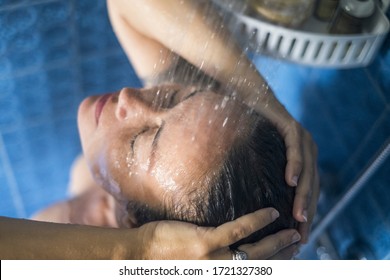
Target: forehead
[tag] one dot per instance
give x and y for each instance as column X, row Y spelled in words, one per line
column 196, row 137
column 197, row 134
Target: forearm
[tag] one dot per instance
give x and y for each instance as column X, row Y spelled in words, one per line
column 25, row 239
column 192, row 31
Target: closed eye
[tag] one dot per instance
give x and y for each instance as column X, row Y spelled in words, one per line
column 172, row 99
column 171, row 102
column 132, row 141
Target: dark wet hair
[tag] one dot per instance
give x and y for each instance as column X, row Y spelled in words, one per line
column 251, row 177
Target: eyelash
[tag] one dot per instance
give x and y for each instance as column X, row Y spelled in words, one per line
column 132, row 141
column 171, row 101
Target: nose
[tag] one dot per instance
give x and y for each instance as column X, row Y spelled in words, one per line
column 126, row 105
column 132, row 107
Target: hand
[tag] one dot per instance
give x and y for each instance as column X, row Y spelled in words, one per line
column 178, row 240
column 301, row 169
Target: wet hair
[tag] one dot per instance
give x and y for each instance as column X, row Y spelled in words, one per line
column 250, row 178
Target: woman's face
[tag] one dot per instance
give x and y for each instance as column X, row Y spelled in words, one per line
column 146, row 145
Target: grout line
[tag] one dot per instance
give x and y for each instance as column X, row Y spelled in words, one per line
column 13, row 185
column 25, row 4
column 378, row 89
column 363, row 144
column 36, row 122
column 76, row 45
column 326, row 112
column 31, row 70
column 59, row 63
column 379, row 210
column 112, row 51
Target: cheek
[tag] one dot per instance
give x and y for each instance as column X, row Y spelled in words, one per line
column 166, row 177
column 113, row 169
column 98, row 149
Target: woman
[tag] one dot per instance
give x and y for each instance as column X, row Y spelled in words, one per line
column 130, row 37
column 157, row 35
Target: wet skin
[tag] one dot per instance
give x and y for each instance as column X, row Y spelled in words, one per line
column 154, row 145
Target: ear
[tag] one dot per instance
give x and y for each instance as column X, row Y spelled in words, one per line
column 125, row 218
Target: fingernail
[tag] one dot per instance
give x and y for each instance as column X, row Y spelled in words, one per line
column 275, row 214
column 304, row 215
column 296, row 237
column 295, row 180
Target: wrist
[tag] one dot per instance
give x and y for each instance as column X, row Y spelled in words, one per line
column 127, row 244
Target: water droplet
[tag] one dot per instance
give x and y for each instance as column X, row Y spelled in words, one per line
column 224, row 102
column 225, row 121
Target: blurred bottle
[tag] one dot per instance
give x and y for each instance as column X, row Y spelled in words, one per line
column 325, row 9
column 351, row 15
column 289, row 13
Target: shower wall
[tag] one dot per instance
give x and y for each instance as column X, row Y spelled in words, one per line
column 53, row 53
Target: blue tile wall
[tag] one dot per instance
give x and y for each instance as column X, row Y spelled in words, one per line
column 53, row 53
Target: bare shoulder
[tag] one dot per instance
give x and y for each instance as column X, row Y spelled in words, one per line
column 94, row 207
column 81, row 178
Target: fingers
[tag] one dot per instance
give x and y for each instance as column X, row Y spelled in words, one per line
column 304, row 228
column 231, row 232
column 304, row 191
column 294, row 150
column 292, row 133
column 272, row 245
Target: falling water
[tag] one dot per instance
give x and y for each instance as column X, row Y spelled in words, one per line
column 226, row 116
column 219, row 20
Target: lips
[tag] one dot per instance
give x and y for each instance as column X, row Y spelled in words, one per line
column 100, row 105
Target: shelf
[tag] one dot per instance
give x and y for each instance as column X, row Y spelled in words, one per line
column 310, row 44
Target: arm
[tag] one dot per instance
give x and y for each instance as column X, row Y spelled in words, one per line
column 149, row 30
column 24, row 239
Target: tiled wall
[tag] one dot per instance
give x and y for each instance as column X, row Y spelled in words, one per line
column 55, row 52
column 52, row 54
